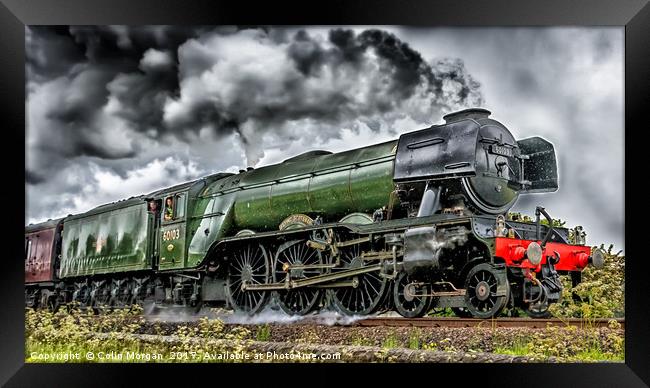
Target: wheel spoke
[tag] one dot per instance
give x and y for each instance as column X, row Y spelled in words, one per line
column 367, row 293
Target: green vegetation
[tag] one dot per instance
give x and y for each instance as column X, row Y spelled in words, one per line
column 114, row 337
column 414, row 339
column 263, row 333
column 516, row 216
column 601, row 294
column 565, row 344
column 359, row 340
column 390, row 342
column 73, row 335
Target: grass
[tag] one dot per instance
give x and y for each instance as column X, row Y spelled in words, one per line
column 263, row 333
column 596, row 354
column 359, row 340
column 590, row 354
column 519, row 348
column 414, row 339
column 390, row 342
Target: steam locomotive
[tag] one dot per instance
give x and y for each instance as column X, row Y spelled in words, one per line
column 411, row 225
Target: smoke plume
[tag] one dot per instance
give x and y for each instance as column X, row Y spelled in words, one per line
column 115, row 85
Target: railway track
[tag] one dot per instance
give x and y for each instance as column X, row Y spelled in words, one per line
column 389, row 321
column 485, row 323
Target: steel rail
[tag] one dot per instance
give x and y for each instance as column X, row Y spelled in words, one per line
column 488, row 323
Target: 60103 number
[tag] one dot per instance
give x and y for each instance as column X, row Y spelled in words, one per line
column 171, row 234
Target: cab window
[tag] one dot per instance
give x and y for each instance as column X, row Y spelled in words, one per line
column 180, row 206
column 168, row 212
column 174, row 207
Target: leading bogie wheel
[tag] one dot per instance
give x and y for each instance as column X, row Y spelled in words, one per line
column 539, row 309
column 486, row 290
column 412, row 298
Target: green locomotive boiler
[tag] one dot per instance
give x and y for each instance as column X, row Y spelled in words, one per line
column 411, row 224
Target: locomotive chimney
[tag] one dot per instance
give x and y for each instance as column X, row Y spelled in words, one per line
column 471, row 113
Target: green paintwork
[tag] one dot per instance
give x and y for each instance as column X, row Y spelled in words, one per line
column 172, row 234
column 185, row 233
column 111, row 238
column 172, row 245
column 213, row 214
column 329, row 185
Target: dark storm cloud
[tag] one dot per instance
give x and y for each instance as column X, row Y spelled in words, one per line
column 142, row 94
column 73, row 72
column 307, row 54
column 33, row 178
column 44, row 46
column 336, row 81
column 408, row 67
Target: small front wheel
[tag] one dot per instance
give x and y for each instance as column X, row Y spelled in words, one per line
column 486, row 290
column 412, row 298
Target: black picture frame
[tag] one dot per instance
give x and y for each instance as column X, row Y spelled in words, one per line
column 15, row 14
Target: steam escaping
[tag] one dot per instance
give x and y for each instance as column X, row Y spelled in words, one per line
column 425, row 246
column 448, row 239
column 270, row 314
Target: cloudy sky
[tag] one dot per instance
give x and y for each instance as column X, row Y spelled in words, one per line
column 118, row 111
